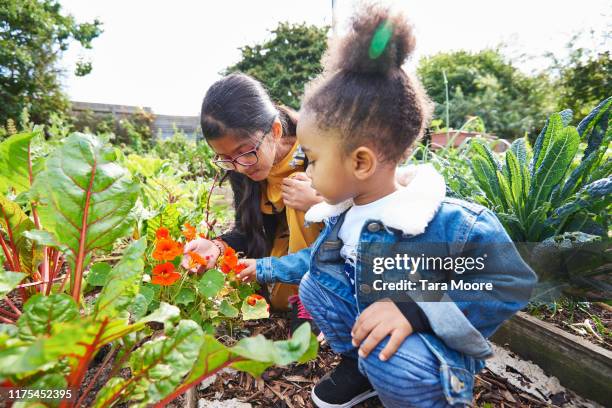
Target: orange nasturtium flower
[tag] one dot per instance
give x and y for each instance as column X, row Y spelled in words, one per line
column 189, row 232
column 229, row 261
column 167, row 250
column 164, row 274
column 162, row 233
column 252, row 299
column 195, row 260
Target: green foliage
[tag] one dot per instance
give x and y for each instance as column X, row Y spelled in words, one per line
column 33, row 36
column 286, row 62
column 193, row 155
column 584, row 83
column 484, row 84
column 131, row 132
column 85, row 199
column 557, row 186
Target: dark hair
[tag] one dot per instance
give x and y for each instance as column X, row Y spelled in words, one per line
column 364, row 92
column 238, row 105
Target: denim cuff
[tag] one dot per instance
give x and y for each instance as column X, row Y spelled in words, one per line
column 263, row 270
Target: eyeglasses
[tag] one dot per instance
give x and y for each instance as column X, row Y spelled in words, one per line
column 245, row 159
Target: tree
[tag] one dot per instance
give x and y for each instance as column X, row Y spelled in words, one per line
column 33, row 36
column 484, row 84
column 583, row 71
column 285, row 63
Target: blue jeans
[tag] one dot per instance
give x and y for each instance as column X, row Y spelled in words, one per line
column 423, row 372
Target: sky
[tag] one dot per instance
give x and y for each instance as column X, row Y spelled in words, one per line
column 165, row 54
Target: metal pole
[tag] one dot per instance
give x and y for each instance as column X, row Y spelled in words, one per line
column 334, row 17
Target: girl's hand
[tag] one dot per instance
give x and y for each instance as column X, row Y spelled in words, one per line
column 298, row 193
column 204, row 248
column 379, row 320
column 248, row 274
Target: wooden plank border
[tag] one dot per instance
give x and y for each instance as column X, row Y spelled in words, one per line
column 578, row 364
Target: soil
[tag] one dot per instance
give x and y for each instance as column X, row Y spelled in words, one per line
column 571, row 319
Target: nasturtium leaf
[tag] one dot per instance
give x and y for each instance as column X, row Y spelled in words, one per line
column 98, row 275
column 185, row 297
column 211, row 283
column 258, row 311
column 139, row 306
column 227, row 309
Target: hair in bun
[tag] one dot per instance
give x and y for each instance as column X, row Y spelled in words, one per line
column 364, row 92
column 378, row 43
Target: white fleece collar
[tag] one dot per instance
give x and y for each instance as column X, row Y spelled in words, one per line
column 413, row 206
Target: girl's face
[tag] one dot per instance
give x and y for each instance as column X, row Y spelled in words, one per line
column 329, row 170
column 231, row 146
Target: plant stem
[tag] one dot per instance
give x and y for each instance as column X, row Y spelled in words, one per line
column 95, row 377
column 207, row 210
column 8, row 314
column 10, row 303
column 5, row 320
column 447, row 102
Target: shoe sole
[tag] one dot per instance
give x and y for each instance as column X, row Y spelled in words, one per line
column 359, row 398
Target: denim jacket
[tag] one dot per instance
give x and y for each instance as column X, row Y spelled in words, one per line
column 421, row 214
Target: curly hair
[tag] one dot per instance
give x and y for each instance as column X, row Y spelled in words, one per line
column 364, row 92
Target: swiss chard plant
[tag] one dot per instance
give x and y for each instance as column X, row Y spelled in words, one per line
column 57, row 210
column 63, row 209
column 55, row 341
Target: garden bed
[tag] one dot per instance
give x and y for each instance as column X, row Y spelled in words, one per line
column 591, row 321
column 291, row 386
column 578, row 364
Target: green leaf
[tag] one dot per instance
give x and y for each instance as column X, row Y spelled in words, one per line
column 486, row 177
column 521, row 149
column 516, row 178
column 85, row 198
column 9, row 281
column 14, row 167
column 211, row 283
column 15, row 223
column 159, row 365
column 168, row 217
column 553, row 166
column 41, row 312
column 185, row 297
column 139, row 307
column 99, row 274
column 260, row 310
column 553, row 125
column 123, row 282
column 110, row 388
column 227, row 309
column 593, row 117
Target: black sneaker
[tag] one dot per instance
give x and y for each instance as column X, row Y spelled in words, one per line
column 298, row 315
column 342, row 388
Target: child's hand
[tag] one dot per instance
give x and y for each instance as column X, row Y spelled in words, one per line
column 248, row 274
column 298, row 193
column 377, row 321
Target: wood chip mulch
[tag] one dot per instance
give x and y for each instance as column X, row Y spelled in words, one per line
column 290, row 387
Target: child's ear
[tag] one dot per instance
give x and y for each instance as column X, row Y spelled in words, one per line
column 364, row 162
